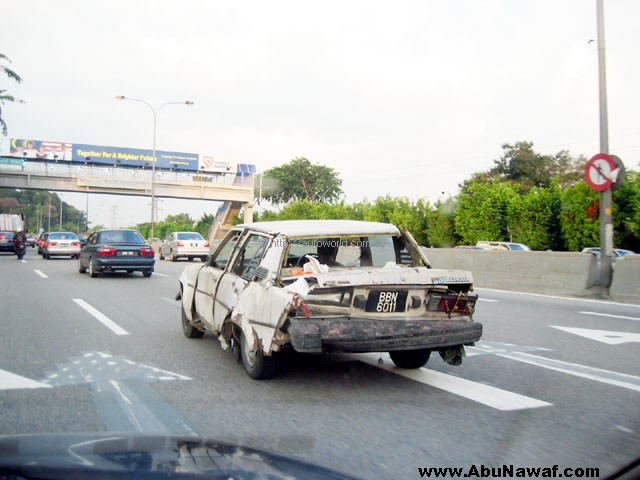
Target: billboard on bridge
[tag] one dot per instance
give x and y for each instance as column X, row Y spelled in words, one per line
column 22, row 147
column 117, row 156
column 133, row 157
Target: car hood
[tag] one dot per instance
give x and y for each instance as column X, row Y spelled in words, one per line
column 146, row 456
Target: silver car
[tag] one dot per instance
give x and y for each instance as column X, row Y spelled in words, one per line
column 61, row 243
column 188, row 245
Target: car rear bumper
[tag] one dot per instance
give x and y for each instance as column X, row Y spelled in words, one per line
column 62, row 250
column 8, row 248
column 140, row 263
column 191, row 252
column 351, row 334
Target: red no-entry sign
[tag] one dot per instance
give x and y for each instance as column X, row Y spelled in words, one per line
column 601, row 172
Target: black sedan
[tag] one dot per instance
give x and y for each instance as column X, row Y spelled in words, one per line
column 116, row 250
column 7, row 242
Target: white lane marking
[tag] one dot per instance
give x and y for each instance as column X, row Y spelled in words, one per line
column 605, row 336
column 610, row 315
column 478, row 392
column 589, row 300
column 101, row 317
column 160, row 274
column 11, row 381
column 39, row 272
column 624, row 429
column 171, row 301
column 487, row 300
column 597, row 374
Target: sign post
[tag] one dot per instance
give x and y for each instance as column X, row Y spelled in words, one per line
column 606, row 212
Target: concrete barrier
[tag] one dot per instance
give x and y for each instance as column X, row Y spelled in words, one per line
column 554, row 273
column 626, row 280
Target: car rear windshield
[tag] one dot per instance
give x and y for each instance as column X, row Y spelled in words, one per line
column 63, row 236
column 6, row 235
column 517, row 246
column 190, row 236
column 337, row 252
column 120, row 236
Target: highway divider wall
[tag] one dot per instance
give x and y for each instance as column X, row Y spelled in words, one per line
column 625, row 286
column 553, row 273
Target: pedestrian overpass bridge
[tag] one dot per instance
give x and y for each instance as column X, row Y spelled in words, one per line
column 67, row 177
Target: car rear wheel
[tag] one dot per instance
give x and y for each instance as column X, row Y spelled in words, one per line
column 187, row 328
column 146, row 273
column 410, row 358
column 92, row 271
column 81, row 269
column 257, row 365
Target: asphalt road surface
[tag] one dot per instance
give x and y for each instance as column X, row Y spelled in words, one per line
column 554, row 381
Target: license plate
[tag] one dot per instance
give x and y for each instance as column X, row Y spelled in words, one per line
column 128, row 253
column 386, row 301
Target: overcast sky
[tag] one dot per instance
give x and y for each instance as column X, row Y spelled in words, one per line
column 400, row 97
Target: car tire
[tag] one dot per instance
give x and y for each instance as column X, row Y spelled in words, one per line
column 46, row 256
column 81, row 269
column 410, row 358
column 146, row 273
column 187, row 327
column 92, row 272
column 258, row 365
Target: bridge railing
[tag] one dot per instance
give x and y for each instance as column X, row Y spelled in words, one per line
column 69, row 170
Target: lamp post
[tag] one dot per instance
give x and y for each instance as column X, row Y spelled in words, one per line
column 154, row 111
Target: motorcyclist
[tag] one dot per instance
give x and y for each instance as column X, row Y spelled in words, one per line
column 21, row 244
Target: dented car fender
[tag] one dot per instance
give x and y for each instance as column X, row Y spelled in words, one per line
column 261, row 310
column 188, row 281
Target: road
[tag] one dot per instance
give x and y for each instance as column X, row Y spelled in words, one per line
column 554, row 381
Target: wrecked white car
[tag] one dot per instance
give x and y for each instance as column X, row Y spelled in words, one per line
column 327, row 286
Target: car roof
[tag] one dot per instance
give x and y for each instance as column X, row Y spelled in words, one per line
column 299, row 228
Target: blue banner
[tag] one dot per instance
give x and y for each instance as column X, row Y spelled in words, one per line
column 133, row 157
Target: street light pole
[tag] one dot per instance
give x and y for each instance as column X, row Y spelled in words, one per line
column 154, row 111
column 606, row 217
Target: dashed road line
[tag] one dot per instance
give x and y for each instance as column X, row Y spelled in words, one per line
column 171, row 301
column 478, row 392
column 610, row 315
column 39, row 272
column 160, row 274
column 101, row 317
column 487, row 300
column 597, row 374
column 557, row 297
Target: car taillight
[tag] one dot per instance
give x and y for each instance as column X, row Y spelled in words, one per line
column 75, row 244
column 51, row 244
column 206, row 244
column 179, row 244
column 147, row 252
column 107, row 252
column 462, row 303
column 452, row 304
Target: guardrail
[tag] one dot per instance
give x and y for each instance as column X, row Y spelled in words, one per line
column 554, row 273
column 69, row 170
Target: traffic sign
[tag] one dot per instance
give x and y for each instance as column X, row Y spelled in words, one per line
column 601, row 172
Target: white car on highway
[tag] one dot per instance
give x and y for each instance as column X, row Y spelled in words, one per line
column 327, row 286
column 61, row 244
column 188, row 245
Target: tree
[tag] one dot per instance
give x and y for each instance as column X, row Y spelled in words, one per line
column 4, row 96
column 482, row 212
column 520, row 163
column 579, row 218
column 534, row 218
column 441, row 222
column 301, row 180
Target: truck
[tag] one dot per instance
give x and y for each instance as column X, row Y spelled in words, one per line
column 10, row 225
